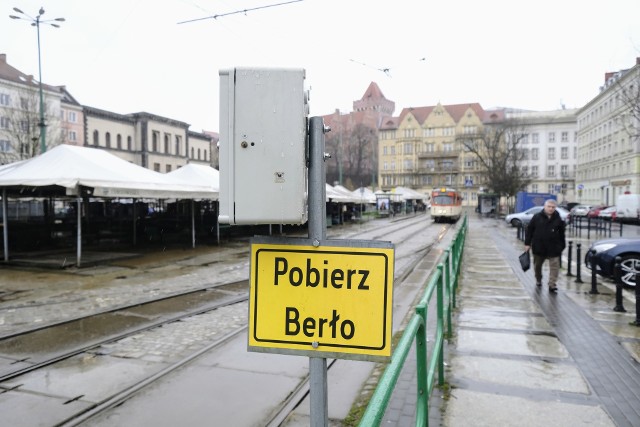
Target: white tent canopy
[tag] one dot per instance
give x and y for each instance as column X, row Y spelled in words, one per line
column 89, row 171
column 193, row 174
column 409, row 194
column 365, row 194
column 74, row 167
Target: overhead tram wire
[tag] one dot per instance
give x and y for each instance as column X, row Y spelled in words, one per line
column 239, row 11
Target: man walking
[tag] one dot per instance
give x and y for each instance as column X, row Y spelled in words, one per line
column 545, row 235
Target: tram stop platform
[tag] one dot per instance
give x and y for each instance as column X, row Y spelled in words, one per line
column 521, row 356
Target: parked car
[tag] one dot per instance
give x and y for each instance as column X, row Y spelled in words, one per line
column 595, row 211
column 580, row 210
column 568, row 205
column 610, row 213
column 603, row 254
column 629, row 207
column 515, row 219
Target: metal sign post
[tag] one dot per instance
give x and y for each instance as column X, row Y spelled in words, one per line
column 317, row 233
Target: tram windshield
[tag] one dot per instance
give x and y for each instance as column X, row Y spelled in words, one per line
column 443, row 200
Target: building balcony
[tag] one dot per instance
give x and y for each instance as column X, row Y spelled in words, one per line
column 439, row 154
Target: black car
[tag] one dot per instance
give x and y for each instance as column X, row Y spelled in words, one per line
column 605, row 255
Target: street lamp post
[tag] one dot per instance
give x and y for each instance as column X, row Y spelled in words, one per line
column 35, row 22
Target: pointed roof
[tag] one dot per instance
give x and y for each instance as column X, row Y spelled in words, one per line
column 373, row 91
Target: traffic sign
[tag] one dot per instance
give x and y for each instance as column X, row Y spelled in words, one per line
column 333, row 300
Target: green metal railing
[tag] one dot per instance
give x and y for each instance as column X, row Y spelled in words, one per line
column 444, row 282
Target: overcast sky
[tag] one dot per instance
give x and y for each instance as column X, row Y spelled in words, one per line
column 128, row 56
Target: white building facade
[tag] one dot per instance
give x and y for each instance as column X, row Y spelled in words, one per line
column 550, row 148
column 608, row 140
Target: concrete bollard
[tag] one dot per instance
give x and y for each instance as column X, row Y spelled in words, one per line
column 569, row 259
column 616, row 272
column 578, row 261
column 594, row 275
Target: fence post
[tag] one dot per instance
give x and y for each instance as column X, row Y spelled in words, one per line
column 440, row 308
column 569, row 259
column 616, row 274
column 448, row 289
column 422, row 404
column 594, row 274
column 578, row 261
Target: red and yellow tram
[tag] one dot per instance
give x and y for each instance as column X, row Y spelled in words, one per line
column 446, row 205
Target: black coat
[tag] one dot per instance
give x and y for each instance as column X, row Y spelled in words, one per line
column 545, row 235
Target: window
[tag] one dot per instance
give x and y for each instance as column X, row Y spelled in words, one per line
column 198, row 154
column 384, row 150
column 129, row 143
column 408, row 164
column 5, row 146
column 534, row 174
column 168, row 168
column 178, row 144
column 167, row 138
column 24, row 103
column 552, row 137
column 119, row 142
column 393, row 150
column 534, row 188
column 154, row 141
column 5, row 99
column 71, row 117
column 551, row 154
column 564, row 137
column 429, row 132
column 156, row 167
column 564, row 171
column 107, row 140
column 204, row 155
column 192, row 152
column 96, row 138
column 408, row 148
column 73, row 136
column 534, row 154
column 447, row 147
column 564, row 153
column 551, row 171
column 534, row 138
column 409, row 133
column 550, row 188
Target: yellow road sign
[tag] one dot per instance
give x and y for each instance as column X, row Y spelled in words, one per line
column 319, row 301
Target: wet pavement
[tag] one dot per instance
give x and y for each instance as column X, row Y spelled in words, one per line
column 519, row 355
column 522, row 356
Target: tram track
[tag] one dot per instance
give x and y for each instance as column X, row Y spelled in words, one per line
column 405, row 234
column 25, row 346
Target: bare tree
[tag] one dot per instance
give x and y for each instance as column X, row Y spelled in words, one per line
column 21, row 127
column 353, row 160
column 628, row 90
column 497, row 148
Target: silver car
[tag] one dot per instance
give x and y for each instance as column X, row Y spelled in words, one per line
column 515, row 219
column 581, row 210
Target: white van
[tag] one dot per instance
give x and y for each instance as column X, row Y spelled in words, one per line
column 628, row 206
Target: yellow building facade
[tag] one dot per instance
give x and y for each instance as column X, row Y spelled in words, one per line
column 421, row 149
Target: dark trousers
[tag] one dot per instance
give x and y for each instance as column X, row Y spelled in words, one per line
column 554, row 269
